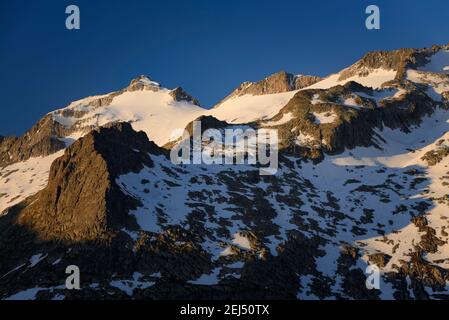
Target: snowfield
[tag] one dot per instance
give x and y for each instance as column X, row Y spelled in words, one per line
column 23, row 179
column 374, row 79
column 369, row 199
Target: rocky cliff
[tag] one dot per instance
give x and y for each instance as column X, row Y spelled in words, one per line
column 362, row 180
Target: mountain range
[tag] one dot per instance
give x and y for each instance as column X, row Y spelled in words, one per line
column 363, row 180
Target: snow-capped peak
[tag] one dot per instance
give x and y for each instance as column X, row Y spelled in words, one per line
column 142, row 82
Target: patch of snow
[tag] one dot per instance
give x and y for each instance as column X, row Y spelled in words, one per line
column 208, row 279
column 285, row 118
column 439, row 62
column 316, row 99
column 437, row 84
column 34, row 260
column 30, row 294
column 374, row 79
column 350, row 102
column 241, row 241
column 324, row 117
column 128, row 286
column 227, row 252
column 305, row 139
column 248, row 108
column 20, row 180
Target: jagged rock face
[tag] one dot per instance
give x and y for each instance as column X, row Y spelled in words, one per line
column 388, row 60
column 305, row 81
column 207, row 122
column 397, row 60
column 143, row 83
column 180, row 95
column 82, row 201
column 141, row 227
column 332, row 127
column 276, row 83
column 144, row 103
column 82, row 218
column 91, row 215
column 446, row 96
column 40, row 140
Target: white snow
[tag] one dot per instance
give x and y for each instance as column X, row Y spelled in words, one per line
column 394, row 157
column 34, row 260
column 164, row 119
column 248, row 108
column 439, row 62
column 155, row 113
column 374, row 79
column 241, row 241
column 30, row 294
column 316, row 99
column 128, row 286
column 350, row 102
column 437, row 84
column 23, row 179
column 227, row 252
column 285, row 118
column 147, row 81
column 324, row 117
column 304, row 139
column 208, row 279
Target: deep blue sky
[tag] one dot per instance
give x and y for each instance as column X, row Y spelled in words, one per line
column 206, row 46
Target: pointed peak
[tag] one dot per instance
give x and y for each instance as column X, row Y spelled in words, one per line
column 179, row 94
column 143, row 82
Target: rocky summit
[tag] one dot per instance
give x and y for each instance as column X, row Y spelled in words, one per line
column 362, row 185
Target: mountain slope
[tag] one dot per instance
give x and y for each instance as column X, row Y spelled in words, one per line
column 362, row 179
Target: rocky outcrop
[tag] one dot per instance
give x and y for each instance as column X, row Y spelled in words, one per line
column 433, row 157
column 305, row 81
column 82, row 201
column 276, row 83
column 379, row 259
column 80, row 218
column 143, row 83
column 207, row 122
column 445, row 96
column 140, row 227
column 347, row 127
column 398, row 60
column 179, row 94
column 40, row 140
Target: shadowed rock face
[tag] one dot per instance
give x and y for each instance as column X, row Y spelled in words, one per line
column 40, row 140
column 90, row 212
column 207, row 122
column 82, row 201
column 179, row 94
column 78, row 218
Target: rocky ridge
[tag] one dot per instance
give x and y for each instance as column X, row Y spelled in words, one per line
column 140, row 227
